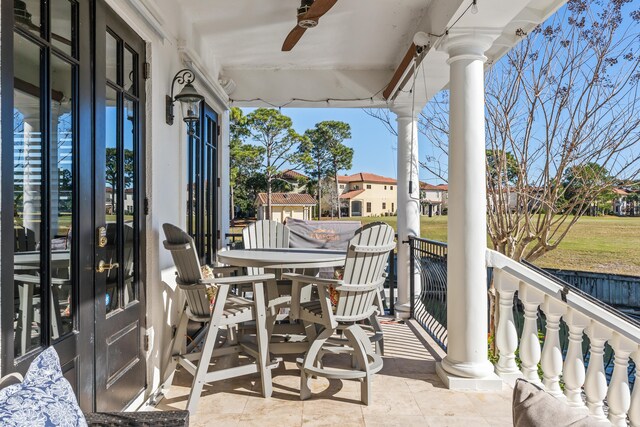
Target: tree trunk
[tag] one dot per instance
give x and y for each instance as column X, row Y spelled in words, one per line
column 268, row 212
column 319, row 191
column 232, row 207
column 335, row 178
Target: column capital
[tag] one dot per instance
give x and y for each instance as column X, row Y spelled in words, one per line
column 406, row 109
column 468, row 43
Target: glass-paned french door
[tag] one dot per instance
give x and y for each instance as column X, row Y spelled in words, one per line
column 45, row 136
column 46, row 69
column 119, row 193
column 73, row 166
column 202, row 181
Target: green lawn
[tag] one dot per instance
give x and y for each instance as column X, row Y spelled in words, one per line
column 602, row 244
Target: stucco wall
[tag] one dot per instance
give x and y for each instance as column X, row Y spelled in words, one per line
column 376, row 195
column 280, row 213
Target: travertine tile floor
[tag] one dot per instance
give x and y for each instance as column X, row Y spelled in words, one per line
column 407, row 392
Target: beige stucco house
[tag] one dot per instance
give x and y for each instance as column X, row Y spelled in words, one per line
column 286, row 205
column 433, row 198
column 367, row 194
column 295, row 179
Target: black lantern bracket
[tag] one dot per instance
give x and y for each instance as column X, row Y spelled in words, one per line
column 183, row 77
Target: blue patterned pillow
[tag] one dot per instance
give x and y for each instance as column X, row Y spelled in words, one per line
column 44, row 398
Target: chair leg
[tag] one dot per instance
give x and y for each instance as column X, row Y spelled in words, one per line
column 209, row 343
column 311, row 361
column 262, row 337
column 199, row 378
column 310, row 330
column 377, row 329
column 177, row 347
column 361, row 350
column 232, row 334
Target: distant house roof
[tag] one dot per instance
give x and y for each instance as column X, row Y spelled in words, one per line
column 366, row 177
column 286, row 199
column 291, row 174
column 351, row 194
column 440, row 187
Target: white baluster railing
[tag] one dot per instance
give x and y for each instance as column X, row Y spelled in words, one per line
column 634, row 408
column 507, row 335
column 574, row 371
column 530, row 342
column 552, row 352
column 582, row 316
column 595, row 385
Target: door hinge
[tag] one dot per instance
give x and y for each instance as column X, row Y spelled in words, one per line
column 218, row 234
column 218, row 128
column 146, row 206
column 146, row 342
column 146, row 70
column 218, row 181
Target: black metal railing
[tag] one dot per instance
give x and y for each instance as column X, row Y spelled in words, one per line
column 428, row 262
column 392, row 280
column 235, row 240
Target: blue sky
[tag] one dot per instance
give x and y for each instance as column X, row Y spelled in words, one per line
column 374, row 147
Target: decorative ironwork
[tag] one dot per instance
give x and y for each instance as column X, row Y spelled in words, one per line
column 182, row 77
column 429, row 308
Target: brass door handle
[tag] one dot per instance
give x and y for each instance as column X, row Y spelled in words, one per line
column 103, row 266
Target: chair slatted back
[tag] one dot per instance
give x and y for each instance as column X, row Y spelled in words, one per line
column 264, row 234
column 365, row 264
column 185, row 257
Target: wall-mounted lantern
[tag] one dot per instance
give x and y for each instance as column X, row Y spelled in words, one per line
column 188, row 97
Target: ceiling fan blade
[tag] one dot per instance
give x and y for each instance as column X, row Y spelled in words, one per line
column 319, row 8
column 293, row 38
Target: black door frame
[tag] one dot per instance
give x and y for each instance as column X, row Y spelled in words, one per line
column 203, row 175
column 80, row 343
column 102, row 17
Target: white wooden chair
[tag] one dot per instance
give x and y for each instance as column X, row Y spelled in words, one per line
column 264, row 234
column 228, row 310
column 364, row 268
column 267, row 234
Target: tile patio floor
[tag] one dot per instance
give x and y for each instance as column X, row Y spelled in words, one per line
column 407, row 392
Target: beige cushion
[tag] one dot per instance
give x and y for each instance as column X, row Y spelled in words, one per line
column 534, row 407
column 212, row 290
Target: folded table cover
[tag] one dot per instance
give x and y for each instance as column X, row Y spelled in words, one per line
column 321, row 234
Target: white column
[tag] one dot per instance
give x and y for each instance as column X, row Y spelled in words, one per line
column 32, row 174
column 408, row 199
column 467, row 317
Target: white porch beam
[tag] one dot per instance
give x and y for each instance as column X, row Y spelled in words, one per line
column 308, row 88
column 408, row 198
column 466, row 365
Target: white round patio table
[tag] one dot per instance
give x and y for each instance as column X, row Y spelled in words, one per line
column 282, row 258
column 283, row 338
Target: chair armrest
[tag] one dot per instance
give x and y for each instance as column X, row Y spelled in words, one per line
column 357, row 288
column 238, row 280
column 10, row 379
column 299, row 281
column 294, row 277
column 225, row 269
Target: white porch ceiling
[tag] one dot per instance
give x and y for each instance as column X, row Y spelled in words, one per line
column 350, row 55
